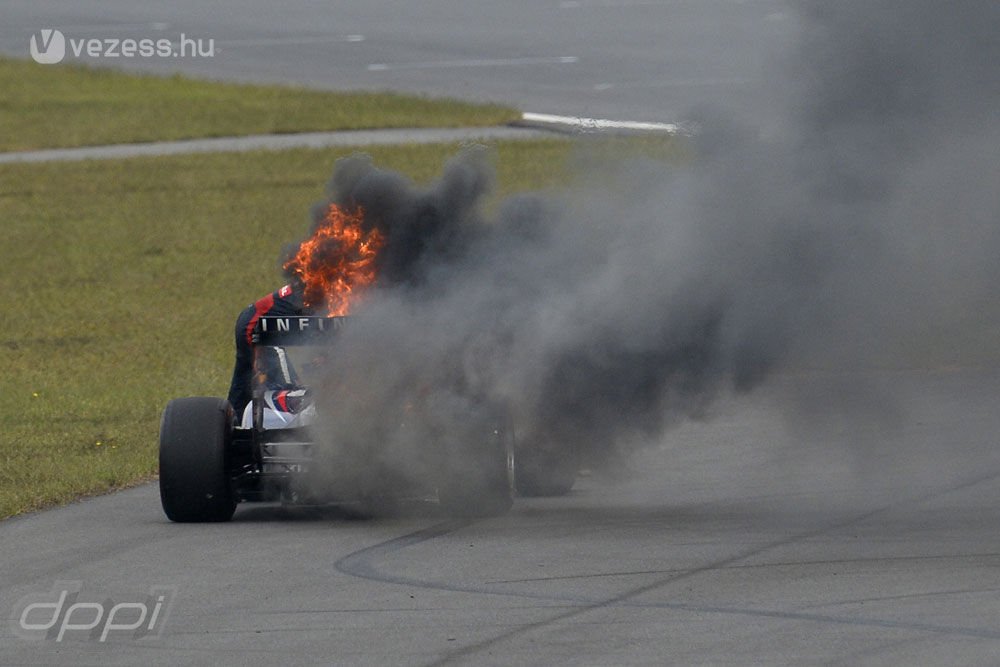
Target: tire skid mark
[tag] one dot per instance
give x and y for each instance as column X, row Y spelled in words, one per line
column 763, row 566
column 363, row 564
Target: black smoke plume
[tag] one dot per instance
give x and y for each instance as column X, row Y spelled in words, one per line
column 859, row 231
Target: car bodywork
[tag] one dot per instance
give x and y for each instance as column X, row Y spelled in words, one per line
column 211, row 459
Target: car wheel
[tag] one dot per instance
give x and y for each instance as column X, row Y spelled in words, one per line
column 540, row 474
column 481, row 484
column 195, row 434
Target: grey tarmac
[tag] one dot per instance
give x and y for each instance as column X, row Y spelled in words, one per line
column 738, row 541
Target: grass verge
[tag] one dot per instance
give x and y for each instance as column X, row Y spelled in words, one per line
column 120, row 282
column 62, row 106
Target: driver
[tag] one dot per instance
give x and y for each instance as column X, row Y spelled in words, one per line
column 286, row 301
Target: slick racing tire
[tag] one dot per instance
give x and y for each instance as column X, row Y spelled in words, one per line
column 544, row 474
column 480, row 483
column 195, row 434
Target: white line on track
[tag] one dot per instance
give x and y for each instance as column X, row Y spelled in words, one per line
column 624, row 4
column 613, row 4
column 599, row 123
column 278, row 41
column 484, row 62
column 114, row 27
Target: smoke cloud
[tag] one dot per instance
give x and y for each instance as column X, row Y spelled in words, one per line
column 861, row 230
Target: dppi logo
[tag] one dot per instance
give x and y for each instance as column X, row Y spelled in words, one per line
column 52, row 615
column 48, row 46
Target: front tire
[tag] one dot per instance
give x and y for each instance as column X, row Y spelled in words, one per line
column 195, row 434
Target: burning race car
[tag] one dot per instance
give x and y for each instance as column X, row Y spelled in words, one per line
column 212, row 459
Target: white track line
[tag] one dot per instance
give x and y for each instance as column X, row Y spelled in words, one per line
column 114, row 27
column 612, row 4
column 486, row 62
column 282, row 41
column 600, row 123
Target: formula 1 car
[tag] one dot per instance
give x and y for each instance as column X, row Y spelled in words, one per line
column 211, row 459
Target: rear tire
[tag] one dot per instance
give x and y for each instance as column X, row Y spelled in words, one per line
column 195, row 434
column 545, row 474
column 481, row 483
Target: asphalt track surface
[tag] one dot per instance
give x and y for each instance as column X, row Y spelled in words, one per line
column 272, row 142
column 647, row 60
column 738, row 541
column 746, row 539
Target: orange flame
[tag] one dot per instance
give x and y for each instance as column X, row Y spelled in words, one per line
column 337, row 261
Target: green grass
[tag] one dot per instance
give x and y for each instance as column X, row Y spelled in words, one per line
column 47, row 106
column 120, row 282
